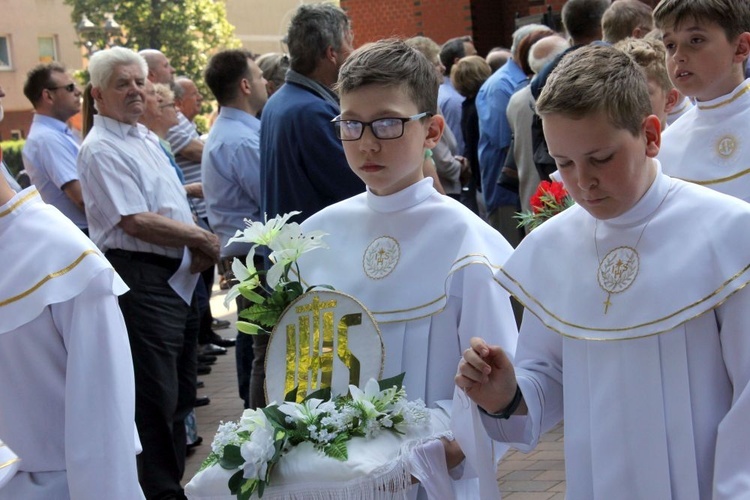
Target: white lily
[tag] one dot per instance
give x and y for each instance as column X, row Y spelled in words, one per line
column 262, row 233
column 288, row 246
column 305, row 412
column 247, row 277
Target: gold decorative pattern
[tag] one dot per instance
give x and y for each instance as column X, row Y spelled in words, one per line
column 726, row 146
column 736, row 96
column 617, row 271
column 20, row 202
column 622, row 329
column 719, row 180
column 303, row 356
column 9, row 462
column 47, row 278
column 381, row 257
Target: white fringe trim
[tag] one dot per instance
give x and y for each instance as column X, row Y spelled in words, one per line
column 390, row 481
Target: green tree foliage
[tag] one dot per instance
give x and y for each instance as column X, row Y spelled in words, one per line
column 187, row 31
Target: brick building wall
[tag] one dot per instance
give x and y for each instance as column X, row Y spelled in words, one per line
column 489, row 22
column 437, row 19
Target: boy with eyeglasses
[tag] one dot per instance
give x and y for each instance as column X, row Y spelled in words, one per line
column 420, row 261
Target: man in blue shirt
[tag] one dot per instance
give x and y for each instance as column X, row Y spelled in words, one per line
column 302, row 161
column 51, row 149
column 449, row 100
column 231, row 183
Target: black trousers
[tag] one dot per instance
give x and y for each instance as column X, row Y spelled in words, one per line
column 163, row 332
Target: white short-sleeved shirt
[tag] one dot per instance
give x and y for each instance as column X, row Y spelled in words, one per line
column 124, row 171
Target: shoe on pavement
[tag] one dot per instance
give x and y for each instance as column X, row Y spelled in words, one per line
column 212, row 349
column 221, row 341
column 220, row 324
column 201, row 401
column 203, row 369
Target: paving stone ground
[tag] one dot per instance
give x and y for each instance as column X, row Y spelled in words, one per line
column 538, row 475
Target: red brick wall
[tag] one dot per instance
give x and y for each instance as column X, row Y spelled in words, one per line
column 437, row 19
column 489, row 22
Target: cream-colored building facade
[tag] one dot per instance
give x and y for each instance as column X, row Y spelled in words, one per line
column 34, row 31
column 31, row 31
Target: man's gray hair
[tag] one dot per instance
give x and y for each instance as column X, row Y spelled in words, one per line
column 313, row 29
column 177, row 88
column 545, row 50
column 103, row 63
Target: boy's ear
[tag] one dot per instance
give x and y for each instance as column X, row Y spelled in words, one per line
column 743, row 48
column 652, row 131
column 673, row 97
column 434, row 131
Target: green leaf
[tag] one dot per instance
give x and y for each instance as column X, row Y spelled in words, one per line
column 261, row 487
column 232, row 458
column 291, row 396
column 211, row 459
column 235, row 482
column 324, row 394
column 294, row 289
column 251, row 295
column 275, row 416
column 312, row 287
column 248, row 487
column 337, row 448
column 387, row 383
column 248, row 328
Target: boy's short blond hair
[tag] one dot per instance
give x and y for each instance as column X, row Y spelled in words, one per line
column 733, row 16
column 598, row 78
column 392, row 63
column 624, row 16
column 468, row 74
column 650, row 54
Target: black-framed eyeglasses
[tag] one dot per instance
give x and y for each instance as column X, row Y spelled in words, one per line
column 71, row 87
column 382, row 128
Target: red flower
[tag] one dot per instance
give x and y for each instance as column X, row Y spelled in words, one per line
column 547, row 193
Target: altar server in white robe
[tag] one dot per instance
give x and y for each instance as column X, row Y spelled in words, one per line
column 420, row 261
column 708, row 43
column 67, row 397
column 638, row 313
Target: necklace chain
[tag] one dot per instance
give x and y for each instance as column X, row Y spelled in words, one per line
column 619, row 267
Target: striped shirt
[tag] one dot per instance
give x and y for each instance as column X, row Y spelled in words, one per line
column 179, row 137
column 124, row 171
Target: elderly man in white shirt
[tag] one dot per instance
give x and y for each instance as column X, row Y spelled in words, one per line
column 139, row 216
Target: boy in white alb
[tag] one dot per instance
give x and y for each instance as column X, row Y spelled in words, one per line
column 708, row 43
column 419, row 261
column 638, row 309
column 67, row 394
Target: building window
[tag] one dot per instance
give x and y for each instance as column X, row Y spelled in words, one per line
column 47, row 49
column 5, row 62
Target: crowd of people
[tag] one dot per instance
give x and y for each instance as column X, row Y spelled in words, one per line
column 627, row 314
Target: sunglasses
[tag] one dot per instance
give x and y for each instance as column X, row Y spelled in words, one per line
column 71, row 87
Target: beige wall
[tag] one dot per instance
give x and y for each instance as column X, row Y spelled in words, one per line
column 25, row 21
column 261, row 24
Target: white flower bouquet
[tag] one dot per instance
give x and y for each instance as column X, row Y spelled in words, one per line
column 287, row 243
column 254, row 444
